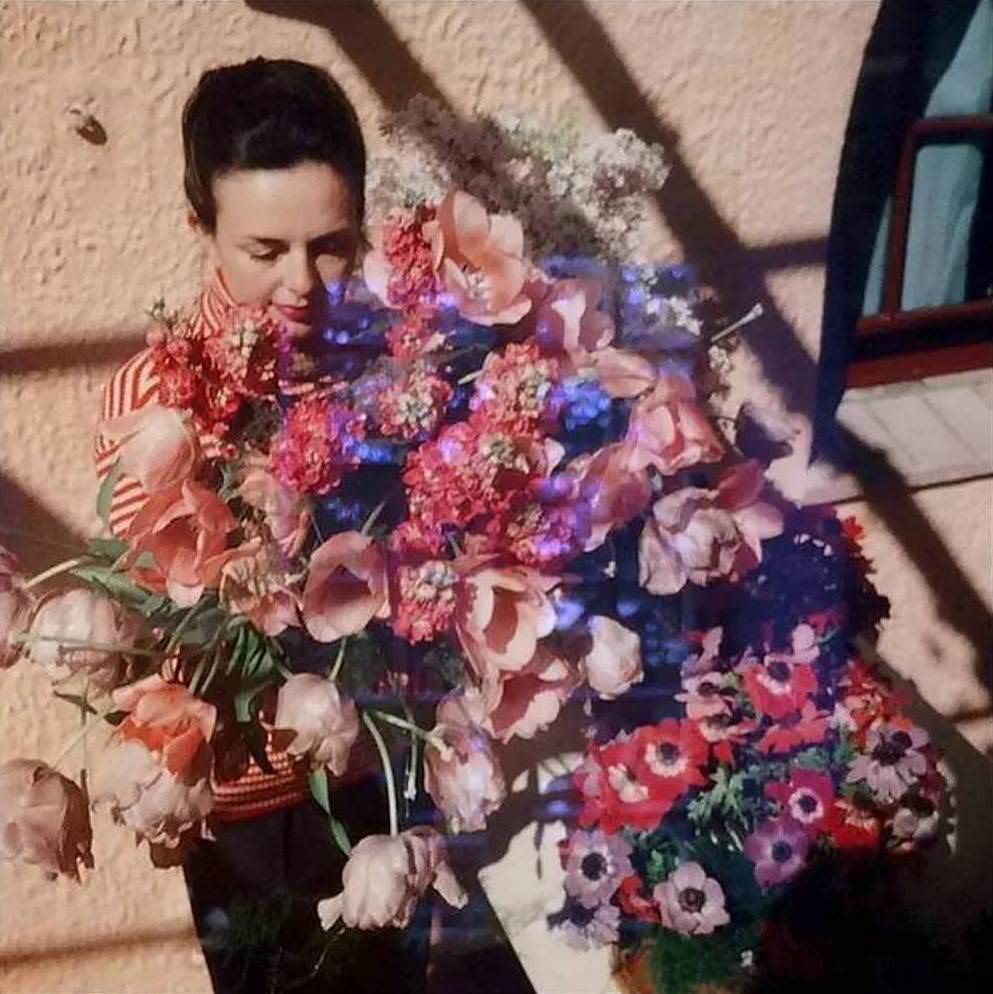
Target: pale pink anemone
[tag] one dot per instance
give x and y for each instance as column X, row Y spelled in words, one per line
column 613, row 664
column 15, row 607
column 669, row 429
column 915, row 821
column 318, row 721
column 184, row 530
column 480, row 259
column 464, row 777
column 157, row 445
column 595, row 866
column 287, row 513
column 697, row 535
column 253, row 583
column 690, row 902
column 346, row 587
column 893, row 762
column 612, row 486
column 155, row 773
column 705, row 696
column 385, row 877
column 79, row 631
column 44, row 820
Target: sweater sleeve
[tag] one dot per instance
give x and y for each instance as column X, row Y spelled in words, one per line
column 132, row 387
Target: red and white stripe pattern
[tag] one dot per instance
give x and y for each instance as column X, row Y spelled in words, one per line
column 132, row 387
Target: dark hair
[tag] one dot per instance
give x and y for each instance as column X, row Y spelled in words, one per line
column 268, row 114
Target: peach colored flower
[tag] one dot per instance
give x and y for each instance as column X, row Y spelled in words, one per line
column 43, row 819
column 565, row 320
column 155, row 773
column 81, row 632
column 346, row 587
column 669, row 430
column 323, row 722
column 184, row 529
column 501, row 614
column 614, row 488
column 15, row 607
column 253, row 583
column 524, row 702
column 464, row 779
column 385, row 877
column 623, row 373
column 287, row 513
column 613, row 663
column 158, row 445
column 697, row 535
column 480, row 259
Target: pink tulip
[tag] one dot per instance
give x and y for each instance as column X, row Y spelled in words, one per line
column 464, row 779
column 323, row 723
column 346, row 587
column 565, row 320
column 43, row 819
column 81, row 632
column 669, row 430
column 479, row 257
column 15, row 607
column 501, row 614
column 623, row 373
column 385, row 877
column 155, row 774
column 614, row 487
column 613, row 663
column 254, row 584
column 286, row 512
column 184, row 528
column 158, row 445
column 697, row 535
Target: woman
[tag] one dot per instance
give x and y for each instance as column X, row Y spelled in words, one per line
column 274, row 175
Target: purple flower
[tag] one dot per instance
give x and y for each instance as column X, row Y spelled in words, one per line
column 584, row 927
column 691, row 902
column 778, row 848
column 893, row 761
column 595, row 867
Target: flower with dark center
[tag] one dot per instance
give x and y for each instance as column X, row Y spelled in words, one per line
column 595, row 865
column 778, row 848
column 893, row 762
column 690, row 902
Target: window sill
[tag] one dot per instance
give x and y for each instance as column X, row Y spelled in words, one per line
column 932, row 431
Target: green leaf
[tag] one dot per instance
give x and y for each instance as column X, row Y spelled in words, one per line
column 321, row 793
column 110, row 549
column 106, row 492
column 77, row 700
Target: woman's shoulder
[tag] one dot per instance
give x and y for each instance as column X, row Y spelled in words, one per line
column 133, row 385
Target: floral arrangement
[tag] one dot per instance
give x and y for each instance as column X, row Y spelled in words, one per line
column 772, row 747
column 494, row 485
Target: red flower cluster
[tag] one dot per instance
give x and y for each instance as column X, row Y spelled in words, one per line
column 413, row 407
column 412, row 279
column 316, row 444
column 516, row 389
column 635, row 779
column 212, row 374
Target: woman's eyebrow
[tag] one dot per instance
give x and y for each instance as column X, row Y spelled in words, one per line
column 281, row 242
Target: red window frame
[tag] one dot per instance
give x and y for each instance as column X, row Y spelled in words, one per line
column 898, row 345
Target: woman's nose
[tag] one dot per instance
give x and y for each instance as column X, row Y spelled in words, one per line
column 301, row 274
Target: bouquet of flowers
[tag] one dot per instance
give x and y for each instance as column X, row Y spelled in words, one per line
column 493, row 484
column 771, row 748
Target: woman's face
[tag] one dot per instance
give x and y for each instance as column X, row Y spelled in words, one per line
column 283, row 238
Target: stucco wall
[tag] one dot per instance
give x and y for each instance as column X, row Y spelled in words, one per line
column 752, row 98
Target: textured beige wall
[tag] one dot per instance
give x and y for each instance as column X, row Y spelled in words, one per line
column 753, row 96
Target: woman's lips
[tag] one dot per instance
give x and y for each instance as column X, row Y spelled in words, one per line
column 298, row 315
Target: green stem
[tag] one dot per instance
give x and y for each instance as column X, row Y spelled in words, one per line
column 184, row 624
column 62, row 567
column 339, row 659
column 409, row 726
column 410, row 791
column 126, row 650
column 77, row 738
column 384, row 758
column 756, row 312
column 374, row 514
